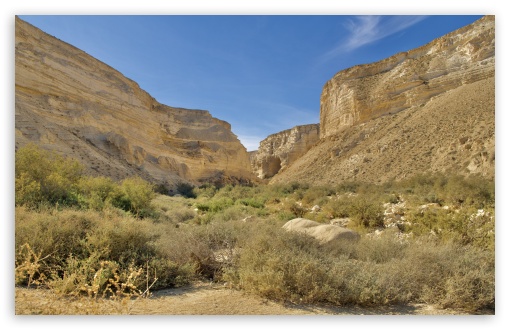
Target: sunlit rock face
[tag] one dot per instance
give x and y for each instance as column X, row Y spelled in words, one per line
column 365, row 92
column 280, row 150
column 431, row 109
column 70, row 102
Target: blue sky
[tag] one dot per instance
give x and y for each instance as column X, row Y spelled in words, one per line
column 260, row 73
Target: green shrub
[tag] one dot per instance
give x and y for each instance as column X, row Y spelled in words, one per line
column 452, row 276
column 178, row 215
column 366, row 212
column 44, row 176
column 314, row 195
column 295, row 208
column 202, row 246
column 98, row 192
column 467, row 226
column 347, row 187
column 215, row 205
column 234, row 212
column 136, row 197
column 471, row 191
column 253, row 202
column 338, row 207
column 446, row 256
column 380, row 249
column 206, row 191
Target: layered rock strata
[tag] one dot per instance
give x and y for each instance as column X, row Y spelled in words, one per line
column 70, row 102
column 429, row 109
column 280, row 150
column 454, row 133
column 407, row 79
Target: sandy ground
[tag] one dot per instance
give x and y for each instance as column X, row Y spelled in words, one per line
column 198, row 299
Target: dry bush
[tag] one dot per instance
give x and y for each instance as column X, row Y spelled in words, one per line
column 29, row 268
column 376, row 271
column 453, row 276
column 173, row 210
column 316, row 195
column 77, row 244
column 380, row 249
column 208, row 249
column 453, row 267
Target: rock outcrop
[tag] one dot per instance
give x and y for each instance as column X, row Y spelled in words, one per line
column 407, row 79
column 280, row 150
column 429, row 109
column 70, row 102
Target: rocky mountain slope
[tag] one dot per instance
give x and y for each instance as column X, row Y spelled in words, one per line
column 408, row 79
column 280, row 150
column 70, row 102
column 429, row 109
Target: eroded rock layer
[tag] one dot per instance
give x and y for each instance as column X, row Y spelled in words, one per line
column 429, row 109
column 454, row 132
column 407, row 79
column 280, row 150
column 70, row 102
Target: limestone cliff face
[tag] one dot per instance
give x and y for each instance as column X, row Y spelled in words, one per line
column 70, row 102
column 280, row 150
column 365, row 92
column 429, row 109
column 454, row 132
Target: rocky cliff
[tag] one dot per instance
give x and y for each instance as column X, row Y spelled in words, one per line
column 280, row 150
column 428, row 109
column 70, row 102
column 407, row 79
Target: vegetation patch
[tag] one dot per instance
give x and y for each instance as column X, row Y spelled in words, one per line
column 429, row 239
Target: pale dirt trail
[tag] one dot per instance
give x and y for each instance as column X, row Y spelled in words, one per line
column 199, row 299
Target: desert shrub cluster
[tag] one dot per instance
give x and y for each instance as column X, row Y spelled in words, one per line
column 44, row 178
column 79, row 235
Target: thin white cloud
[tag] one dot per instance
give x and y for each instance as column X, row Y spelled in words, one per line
column 364, row 30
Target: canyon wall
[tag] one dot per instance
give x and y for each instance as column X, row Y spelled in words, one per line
column 280, row 150
column 407, row 79
column 431, row 109
column 70, row 102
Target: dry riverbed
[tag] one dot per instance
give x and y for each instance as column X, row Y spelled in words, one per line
column 198, row 299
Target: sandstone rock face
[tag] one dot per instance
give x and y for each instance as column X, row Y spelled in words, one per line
column 365, row 92
column 70, row 102
column 454, row 132
column 280, row 150
column 375, row 130
column 322, row 232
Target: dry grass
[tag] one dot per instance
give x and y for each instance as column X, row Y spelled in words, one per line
column 438, row 256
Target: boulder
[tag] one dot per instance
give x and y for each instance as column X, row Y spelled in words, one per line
column 325, row 233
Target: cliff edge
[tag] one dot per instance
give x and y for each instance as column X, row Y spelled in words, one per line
column 72, row 103
column 428, row 109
